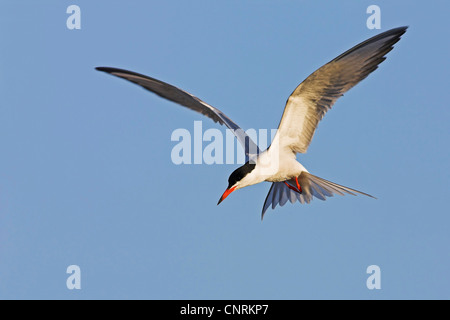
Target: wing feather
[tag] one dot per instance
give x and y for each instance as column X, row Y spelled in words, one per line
column 187, row 100
column 310, row 101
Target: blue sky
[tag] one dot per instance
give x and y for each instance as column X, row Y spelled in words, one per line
column 86, row 176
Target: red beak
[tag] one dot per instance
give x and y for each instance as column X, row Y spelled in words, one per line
column 226, row 194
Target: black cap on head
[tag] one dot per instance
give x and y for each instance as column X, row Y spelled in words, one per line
column 240, row 173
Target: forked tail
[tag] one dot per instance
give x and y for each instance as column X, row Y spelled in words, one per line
column 311, row 186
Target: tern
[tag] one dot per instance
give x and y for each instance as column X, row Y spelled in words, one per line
column 305, row 107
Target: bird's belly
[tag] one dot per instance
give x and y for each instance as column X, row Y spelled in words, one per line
column 282, row 171
column 282, row 176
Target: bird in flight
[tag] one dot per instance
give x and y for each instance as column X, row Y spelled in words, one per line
column 304, row 108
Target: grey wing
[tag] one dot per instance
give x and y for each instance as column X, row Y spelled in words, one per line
column 316, row 94
column 187, row 100
column 280, row 194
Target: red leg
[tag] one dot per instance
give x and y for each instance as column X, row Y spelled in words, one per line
column 291, row 187
column 298, row 185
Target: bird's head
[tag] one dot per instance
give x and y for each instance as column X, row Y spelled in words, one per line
column 238, row 179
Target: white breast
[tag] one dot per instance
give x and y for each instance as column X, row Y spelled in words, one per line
column 274, row 166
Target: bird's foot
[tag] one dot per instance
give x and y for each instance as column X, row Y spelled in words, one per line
column 298, row 189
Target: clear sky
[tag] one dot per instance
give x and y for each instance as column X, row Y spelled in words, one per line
column 86, row 176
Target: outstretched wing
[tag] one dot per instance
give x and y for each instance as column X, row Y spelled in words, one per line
column 187, row 100
column 316, row 94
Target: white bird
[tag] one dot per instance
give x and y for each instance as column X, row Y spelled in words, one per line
column 305, row 107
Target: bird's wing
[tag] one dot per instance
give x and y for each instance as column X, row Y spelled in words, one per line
column 316, row 94
column 187, row 100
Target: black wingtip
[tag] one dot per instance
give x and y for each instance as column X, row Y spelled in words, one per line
column 398, row 32
column 401, row 30
column 118, row 71
column 105, row 69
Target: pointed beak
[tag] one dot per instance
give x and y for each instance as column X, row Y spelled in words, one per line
column 226, row 194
